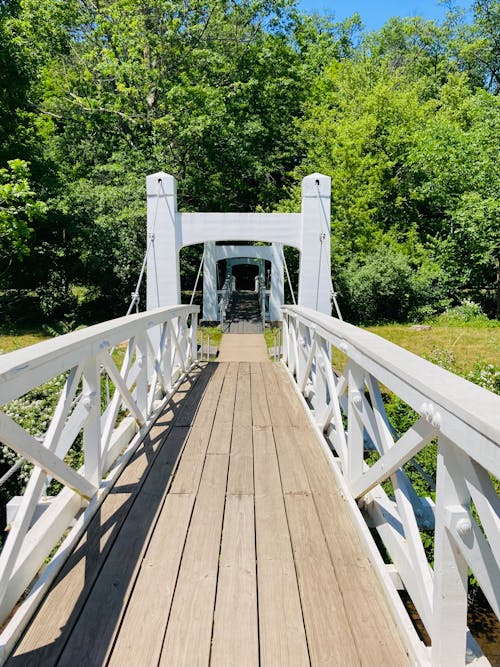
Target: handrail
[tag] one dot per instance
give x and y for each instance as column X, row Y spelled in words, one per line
column 160, row 347
column 348, row 410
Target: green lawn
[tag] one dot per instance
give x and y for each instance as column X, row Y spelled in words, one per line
column 465, row 345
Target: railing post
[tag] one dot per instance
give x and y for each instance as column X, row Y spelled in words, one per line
column 142, row 378
column 450, row 569
column 92, row 428
column 355, row 427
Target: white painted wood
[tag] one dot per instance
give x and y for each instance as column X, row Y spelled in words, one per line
column 121, row 437
column 91, row 398
column 467, row 420
column 31, row 366
column 26, row 550
column 450, row 567
column 472, row 417
column 125, row 394
column 268, row 227
column 37, row 544
column 314, row 270
column 355, row 426
column 24, row 444
column 477, row 552
column 407, row 446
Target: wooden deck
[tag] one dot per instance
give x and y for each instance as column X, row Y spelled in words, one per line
column 225, row 543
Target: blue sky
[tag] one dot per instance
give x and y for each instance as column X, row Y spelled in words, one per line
column 375, row 13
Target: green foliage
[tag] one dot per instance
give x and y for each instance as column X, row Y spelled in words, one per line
column 238, row 101
column 18, row 209
column 385, row 286
column 466, row 311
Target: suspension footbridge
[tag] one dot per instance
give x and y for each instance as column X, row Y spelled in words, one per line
column 227, row 512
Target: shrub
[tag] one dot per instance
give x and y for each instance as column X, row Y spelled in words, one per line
column 466, row 311
column 386, row 287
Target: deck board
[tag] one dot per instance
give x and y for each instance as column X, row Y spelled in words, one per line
column 189, row 631
column 226, row 541
column 235, row 631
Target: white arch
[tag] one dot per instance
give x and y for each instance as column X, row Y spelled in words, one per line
column 309, row 231
column 215, row 253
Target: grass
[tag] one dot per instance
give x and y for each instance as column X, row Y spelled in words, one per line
column 10, row 340
column 468, row 344
column 465, row 345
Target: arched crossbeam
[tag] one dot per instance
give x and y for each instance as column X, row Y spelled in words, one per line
column 215, row 253
column 171, row 230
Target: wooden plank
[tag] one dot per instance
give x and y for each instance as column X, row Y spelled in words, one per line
column 94, row 632
column 189, row 630
column 140, row 637
column 260, row 409
column 240, row 478
column 373, row 629
column 235, row 633
column 281, row 626
column 277, row 407
column 220, row 438
column 289, row 441
column 194, row 401
column 191, row 393
column 188, row 474
column 225, row 409
column 45, row 637
column 278, row 383
column 243, row 402
column 329, row 635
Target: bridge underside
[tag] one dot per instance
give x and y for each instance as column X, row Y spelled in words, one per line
column 225, row 542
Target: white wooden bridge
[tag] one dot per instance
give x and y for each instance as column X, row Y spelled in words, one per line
column 225, row 512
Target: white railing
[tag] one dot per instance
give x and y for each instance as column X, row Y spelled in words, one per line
column 348, row 409
column 158, row 348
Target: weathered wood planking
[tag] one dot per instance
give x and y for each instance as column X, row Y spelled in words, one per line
column 141, row 634
column 220, row 438
column 260, row 408
column 189, row 631
column 366, row 609
column 94, row 631
column 249, row 559
column 281, row 626
column 187, row 477
column 45, row 637
column 235, row 631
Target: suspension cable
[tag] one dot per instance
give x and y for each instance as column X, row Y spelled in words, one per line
column 135, row 293
column 197, row 278
column 333, row 293
column 288, row 277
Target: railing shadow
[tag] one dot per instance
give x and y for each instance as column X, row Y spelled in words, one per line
column 111, row 548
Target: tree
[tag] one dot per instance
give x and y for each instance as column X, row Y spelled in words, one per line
column 19, row 208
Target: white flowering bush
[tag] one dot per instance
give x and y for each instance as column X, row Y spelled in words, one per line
column 33, row 412
column 487, row 376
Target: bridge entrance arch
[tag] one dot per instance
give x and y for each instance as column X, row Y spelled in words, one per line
column 169, row 230
column 238, row 254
